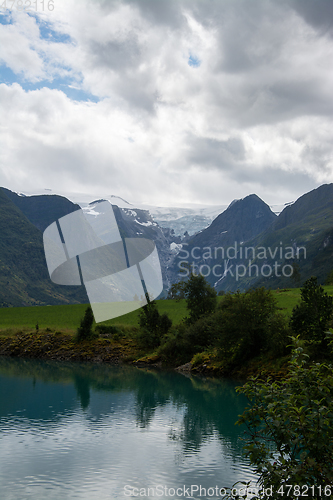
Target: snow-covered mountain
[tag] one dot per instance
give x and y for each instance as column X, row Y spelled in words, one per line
column 206, row 226
column 187, row 218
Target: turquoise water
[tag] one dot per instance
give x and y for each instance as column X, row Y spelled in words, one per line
column 84, row 431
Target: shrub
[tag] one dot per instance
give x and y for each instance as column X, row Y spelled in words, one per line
column 200, row 297
column 85, row 332
column 107, row 330
column 153, row 325
column 248, row 324
column 177, row 291
column 203, row 333
column 175, row 348
column 198, row 359
column 290, row 428
column 311, row 318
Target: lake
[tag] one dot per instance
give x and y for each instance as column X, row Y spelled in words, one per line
column 87, row 431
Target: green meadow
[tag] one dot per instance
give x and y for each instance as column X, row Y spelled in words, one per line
column 67, row 317
column 288, row 298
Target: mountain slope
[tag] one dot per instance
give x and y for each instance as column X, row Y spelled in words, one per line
column 42, row 210
column 138, row 223
column 241, row 221
column 307, row 206
column 302, row 235
column 24, row 279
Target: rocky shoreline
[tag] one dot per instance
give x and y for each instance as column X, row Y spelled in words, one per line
column 64, row 347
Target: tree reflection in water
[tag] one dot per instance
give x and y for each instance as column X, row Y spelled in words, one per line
column 208, row 406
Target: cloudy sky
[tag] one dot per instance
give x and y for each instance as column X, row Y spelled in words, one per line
column 167, row 101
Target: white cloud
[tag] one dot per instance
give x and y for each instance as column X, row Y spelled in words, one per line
column 253, row 113
column 17, row 48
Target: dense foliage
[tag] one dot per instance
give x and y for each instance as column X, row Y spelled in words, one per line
column 153, row 325
column 200, row 297
column 290, row 429
column 313, row 316
column 250, row 324
column 242, row 327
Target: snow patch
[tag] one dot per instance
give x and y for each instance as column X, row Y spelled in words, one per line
column 175, row 246
column 133, row 213
column 149, row 223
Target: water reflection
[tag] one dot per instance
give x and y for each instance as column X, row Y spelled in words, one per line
column 82, row 386
column 85, row 431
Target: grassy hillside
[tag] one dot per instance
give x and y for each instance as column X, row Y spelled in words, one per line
column 67, row 317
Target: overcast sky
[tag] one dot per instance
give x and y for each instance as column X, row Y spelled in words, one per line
column 167, row 101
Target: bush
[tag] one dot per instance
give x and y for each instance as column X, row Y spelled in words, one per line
column 249, row 324
column 153, row 325
column 200, row 297
column 243, row 326
column 107, row 330
column 175, row 348
column 177, row 291
column 311, row 318
column 85, row 332
column 203, row 333
column 290, row 428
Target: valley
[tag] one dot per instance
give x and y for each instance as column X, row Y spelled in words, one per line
column 207, row 240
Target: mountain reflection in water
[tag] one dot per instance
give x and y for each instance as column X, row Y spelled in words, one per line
column 85, row 430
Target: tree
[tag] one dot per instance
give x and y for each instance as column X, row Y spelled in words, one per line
column 177, row 290
column 85, row 332
column 153, row 325
column 311, row 318
column 249, row 324
column 290, row 429
column 200, row 297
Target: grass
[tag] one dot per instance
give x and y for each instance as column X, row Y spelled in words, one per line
column 287, row 298
column 67, row 317
column 57, row 317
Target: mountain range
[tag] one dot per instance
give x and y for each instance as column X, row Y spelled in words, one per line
column 251, row 246
column 234, row 250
